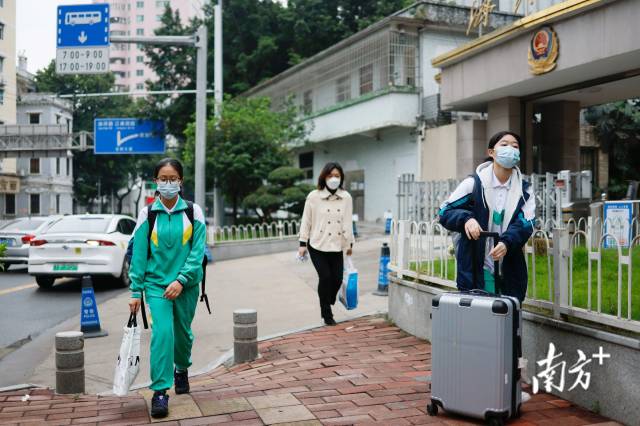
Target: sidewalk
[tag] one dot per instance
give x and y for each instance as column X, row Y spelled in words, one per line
column 282, row 290
column 363, row 371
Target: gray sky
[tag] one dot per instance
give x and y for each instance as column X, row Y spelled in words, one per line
column 36, row 30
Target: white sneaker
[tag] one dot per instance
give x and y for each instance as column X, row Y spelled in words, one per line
column 525, row 397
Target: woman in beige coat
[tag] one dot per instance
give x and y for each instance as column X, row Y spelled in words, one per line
column 326, row 232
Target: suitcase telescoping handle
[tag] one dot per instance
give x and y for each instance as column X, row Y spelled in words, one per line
column 496, row 264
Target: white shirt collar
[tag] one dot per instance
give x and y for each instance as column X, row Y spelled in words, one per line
column 497, row 184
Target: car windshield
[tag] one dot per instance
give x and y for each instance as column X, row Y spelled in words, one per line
column 93, row 225
column 22, row 225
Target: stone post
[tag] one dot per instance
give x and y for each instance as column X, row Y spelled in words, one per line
column 69, row 362
column 245, row 334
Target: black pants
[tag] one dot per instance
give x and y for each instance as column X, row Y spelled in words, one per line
column 329, row 266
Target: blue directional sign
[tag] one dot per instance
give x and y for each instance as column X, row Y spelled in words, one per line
column 82, row 39
column 128, row 136
column 83, row 25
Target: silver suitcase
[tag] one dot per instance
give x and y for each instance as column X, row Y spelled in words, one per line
column 475, row 348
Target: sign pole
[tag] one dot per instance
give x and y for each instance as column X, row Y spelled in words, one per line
column 201, row 114
column 218, row 210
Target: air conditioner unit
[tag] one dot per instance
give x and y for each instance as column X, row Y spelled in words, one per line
column 22, row 173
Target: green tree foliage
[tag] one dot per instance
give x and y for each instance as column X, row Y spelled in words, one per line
column 618, row 129
column 283, row 191
column 111, row 172
column 244, row 146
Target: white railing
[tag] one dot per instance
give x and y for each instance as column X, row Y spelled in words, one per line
column 579, row 269
column 254, row 232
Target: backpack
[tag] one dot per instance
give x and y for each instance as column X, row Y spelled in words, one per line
column 151, row 219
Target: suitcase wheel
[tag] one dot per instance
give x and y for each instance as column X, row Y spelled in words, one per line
column 432, row 409
column 495, row 421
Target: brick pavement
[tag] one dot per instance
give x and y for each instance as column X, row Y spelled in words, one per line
column 360, row 372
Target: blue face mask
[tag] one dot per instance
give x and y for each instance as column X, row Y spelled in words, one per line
column 169, row 190
column 507, row 156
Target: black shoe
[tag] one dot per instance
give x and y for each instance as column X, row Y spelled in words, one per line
column 330, row 321
column 181, row 380
column 159, row 404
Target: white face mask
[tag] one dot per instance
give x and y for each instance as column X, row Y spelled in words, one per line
column 333, row 183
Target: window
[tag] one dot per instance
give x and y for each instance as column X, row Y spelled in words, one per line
column 140, row 59
column 1, row 31
column 1, row 63
column 34, row 118
column 84, row 224
column 34, row 205
column 57, row 203
column 140, row 31
column 366, row 79
column 307, row 102
column 68, row 167
column 1, row 3
column 158, row 18
column 58, row 166
column 162, row 3
column 34, row 166
column 139, row 73
column 139, row 86
column 140, row 4
column 139, row 18
column 126, row 226
column 69, row 125
column 343, row 89
column 305, row 162
column 2, row 96
column 10, row 204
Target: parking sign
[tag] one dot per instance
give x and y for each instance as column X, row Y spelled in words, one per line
column 82, row 39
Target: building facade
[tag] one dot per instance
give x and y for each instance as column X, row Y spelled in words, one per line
column 7, row 62
column 367, row 99
column 139, row 18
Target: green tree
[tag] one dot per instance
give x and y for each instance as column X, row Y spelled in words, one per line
column 110, row 172
column 244, row 146
column 617, row 126
column 283, row 191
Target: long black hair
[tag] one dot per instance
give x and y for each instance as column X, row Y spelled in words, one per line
column 322, row 179
column 496, row 138
column 177, row 166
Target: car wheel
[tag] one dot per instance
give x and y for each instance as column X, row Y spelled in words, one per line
column 125, row 281
column 44, row 281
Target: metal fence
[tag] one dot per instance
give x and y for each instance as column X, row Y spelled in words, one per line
column 255, row 232
column 608, row 293
column 420, row 200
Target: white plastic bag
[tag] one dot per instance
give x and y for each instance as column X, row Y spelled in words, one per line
column 349, row 289
column 128, row 363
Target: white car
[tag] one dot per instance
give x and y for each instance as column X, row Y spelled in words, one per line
column 78, row 245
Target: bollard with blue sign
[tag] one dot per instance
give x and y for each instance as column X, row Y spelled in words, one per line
column 383, row 271
column 388, row 219
column 89, row 319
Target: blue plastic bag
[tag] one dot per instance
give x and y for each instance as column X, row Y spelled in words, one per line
column 349, row 289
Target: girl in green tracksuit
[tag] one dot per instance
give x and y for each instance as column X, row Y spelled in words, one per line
column 167, row 266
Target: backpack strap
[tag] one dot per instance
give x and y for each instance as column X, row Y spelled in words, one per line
column 203, row 291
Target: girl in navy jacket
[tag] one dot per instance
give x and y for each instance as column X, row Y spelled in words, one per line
column 494, row 199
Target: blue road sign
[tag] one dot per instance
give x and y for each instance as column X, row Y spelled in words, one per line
column 128, row 136
column 83, row 25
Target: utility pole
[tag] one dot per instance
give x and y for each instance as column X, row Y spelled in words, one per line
column 99, row 196
column 218, row 210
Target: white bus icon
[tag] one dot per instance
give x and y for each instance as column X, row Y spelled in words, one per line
column 82, row 18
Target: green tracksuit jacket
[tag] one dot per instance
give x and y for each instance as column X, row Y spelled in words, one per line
column 174, row 256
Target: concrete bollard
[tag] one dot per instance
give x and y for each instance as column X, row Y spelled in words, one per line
column 69, row 362
column 245, row 334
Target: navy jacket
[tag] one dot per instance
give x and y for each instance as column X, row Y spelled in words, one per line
column 468, row 201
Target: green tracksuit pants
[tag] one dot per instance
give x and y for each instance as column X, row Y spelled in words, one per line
column 171, row 336
column 489, row 281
